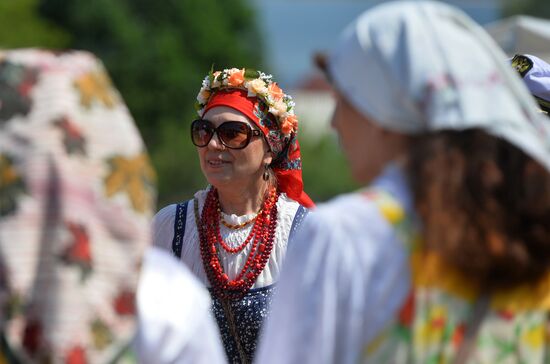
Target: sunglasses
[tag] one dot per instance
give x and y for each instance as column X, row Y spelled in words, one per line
column 232, row 134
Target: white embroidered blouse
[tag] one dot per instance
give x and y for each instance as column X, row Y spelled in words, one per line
column 163, row 235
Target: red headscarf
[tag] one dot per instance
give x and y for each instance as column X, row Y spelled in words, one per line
column 287, row 163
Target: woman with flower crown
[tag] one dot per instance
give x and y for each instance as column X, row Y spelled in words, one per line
column 234, row 234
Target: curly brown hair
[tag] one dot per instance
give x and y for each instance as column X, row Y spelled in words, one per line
column 484, row 204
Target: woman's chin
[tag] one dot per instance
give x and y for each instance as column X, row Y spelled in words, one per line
column 219, row 180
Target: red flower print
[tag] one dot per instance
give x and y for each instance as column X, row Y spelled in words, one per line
column 78, row 252
column 438, row 322
column 506, row 315
column 458, row 335
column 124, row 303
column 76, row 355
column 32, row 336
column 72, row 137
column 406, row 313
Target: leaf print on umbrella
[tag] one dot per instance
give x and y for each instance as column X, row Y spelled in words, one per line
column 16, row 82
column 73, row 140
column 13, row 306
column 11, row 185
column 133, row 176
column 101, row 334
column 78, row 252
column 96, row 86
column 124, row 303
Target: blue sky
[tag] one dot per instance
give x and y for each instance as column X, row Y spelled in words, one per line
column 294, row 29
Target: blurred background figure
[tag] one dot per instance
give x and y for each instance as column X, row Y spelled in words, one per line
column 417, row 268
column 76, row 198
column 175, row 321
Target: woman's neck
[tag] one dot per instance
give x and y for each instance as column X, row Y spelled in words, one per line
column 242, row 201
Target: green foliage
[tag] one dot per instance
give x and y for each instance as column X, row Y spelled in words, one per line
column 22, row 27
column 538, row 8
column 157, row 53
column 325, row 169
column 178, row 158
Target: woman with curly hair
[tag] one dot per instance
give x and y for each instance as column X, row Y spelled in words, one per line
column 445, row 256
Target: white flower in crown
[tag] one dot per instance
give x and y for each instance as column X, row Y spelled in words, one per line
column 216, row 79
column 203, row 96
column 257, row 84
column 279, row 109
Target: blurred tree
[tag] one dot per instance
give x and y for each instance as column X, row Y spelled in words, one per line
column 157, row 53
column 538, row 8
column 35, row 32
column 325, row 170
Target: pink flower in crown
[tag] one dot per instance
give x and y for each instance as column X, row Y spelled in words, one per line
column 236, row 77
column 289, row 124
column 275, row 91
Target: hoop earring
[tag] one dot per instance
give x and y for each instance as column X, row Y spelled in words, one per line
column 265, row 176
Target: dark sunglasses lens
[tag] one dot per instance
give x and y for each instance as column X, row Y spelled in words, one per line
column 201, row 133
column 234, row 134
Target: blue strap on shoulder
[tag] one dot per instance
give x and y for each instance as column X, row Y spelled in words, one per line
column 181, row 217
column 179, row 228
column 301, row 213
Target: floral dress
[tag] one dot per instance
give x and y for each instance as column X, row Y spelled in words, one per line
column 363, row 290
column 76, row 194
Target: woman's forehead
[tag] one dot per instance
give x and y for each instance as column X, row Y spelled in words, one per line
column 226, row 113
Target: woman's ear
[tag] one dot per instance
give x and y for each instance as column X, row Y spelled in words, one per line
column 268, row 157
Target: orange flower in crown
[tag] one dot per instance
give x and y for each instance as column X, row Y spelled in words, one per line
column 257, row 84
column 236, row 77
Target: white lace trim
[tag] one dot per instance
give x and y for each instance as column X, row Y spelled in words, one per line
column 163, row 230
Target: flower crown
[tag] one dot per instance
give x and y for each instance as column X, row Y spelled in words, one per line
column 257, row 84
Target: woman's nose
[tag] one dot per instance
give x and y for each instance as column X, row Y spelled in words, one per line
column 215, row 142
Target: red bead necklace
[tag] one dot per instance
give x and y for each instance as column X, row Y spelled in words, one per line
column 262, row 236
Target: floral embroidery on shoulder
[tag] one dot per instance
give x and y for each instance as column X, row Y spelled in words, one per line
column 431, row 323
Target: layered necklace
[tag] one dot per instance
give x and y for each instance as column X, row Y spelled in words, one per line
column 261, row 235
